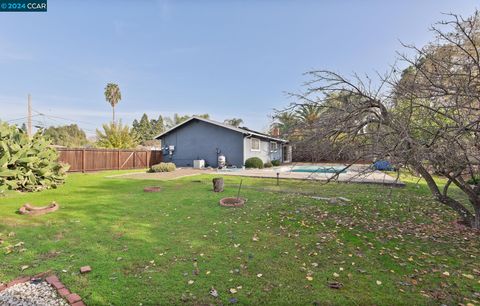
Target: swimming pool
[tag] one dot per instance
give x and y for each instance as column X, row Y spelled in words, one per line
column 319, row 169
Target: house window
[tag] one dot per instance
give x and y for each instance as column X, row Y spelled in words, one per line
column 273, row 146
column 255, row 144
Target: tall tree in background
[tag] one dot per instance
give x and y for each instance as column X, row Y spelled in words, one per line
column 116, row 136
column 285, row 121
column 204, row 116
column 146, row 129
column 309, row 113
column 66, row 135
column 177, row 119
column 113, row 96
column 233, row 122
column 158, row 126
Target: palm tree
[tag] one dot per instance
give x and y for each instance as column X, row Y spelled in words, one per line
column 309, row 113
column 286, row 122
column 113, row 96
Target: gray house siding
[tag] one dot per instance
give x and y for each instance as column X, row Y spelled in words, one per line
column 200, row 140
column 265, row 154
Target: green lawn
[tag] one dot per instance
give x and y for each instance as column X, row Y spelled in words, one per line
column 388, row 246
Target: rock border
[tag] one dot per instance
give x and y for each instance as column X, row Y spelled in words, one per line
column 72, row 298
column 28, row 209
column 237, row 202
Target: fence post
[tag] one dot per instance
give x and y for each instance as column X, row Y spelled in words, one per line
column 134, row 155
column 118, row 159
column 83, row 161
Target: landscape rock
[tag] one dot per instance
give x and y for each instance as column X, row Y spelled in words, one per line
column 31, row 294
column 85, row 269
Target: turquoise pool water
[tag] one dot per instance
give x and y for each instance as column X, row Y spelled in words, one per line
column 318, row 169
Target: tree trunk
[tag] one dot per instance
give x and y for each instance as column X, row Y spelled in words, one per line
column 476, row 221
column 462, row 211
column 113, row 114
column 218, row 184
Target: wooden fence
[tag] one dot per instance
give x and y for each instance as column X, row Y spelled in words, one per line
column 108, row 159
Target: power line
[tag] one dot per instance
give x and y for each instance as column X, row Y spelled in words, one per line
column 55, row 120
column 20, row 118
column 63, row 118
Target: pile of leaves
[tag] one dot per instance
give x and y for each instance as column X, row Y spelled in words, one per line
column 28, row 164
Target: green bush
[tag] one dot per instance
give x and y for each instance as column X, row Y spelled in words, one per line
column 475, row 180
column 28, row 164
column 254, row 162
column 276, row 163
column 163, row 167
column 268, row 165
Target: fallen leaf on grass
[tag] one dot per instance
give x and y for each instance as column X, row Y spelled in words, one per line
column 335, row 285
column 335, row 274
column 24, row 267
column 233, row 290
column 379, row 282
column 213, row 292
column 309, row 278
column 259, row 275
column 191, row 282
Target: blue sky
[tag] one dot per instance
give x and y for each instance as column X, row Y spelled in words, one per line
column 225, row 58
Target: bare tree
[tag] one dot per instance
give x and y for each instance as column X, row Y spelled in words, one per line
column 425, row 118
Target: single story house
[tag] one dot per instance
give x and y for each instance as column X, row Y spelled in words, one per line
column 199, row 138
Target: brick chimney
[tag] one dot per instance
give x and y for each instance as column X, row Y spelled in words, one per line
column 276, row 131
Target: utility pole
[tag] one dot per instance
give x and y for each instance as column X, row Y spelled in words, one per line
column 29, row 116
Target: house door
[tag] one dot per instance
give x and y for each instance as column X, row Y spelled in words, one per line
column 287, row 154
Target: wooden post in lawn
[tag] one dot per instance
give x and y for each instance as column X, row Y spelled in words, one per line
column 218, row 184
column 118, row 159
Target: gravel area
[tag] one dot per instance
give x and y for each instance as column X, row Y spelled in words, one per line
column 31, row 294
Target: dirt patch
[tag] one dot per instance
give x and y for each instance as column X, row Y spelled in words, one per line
column 28, row 209
column 49, row 255
column 232, row 202
column 152, row 189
